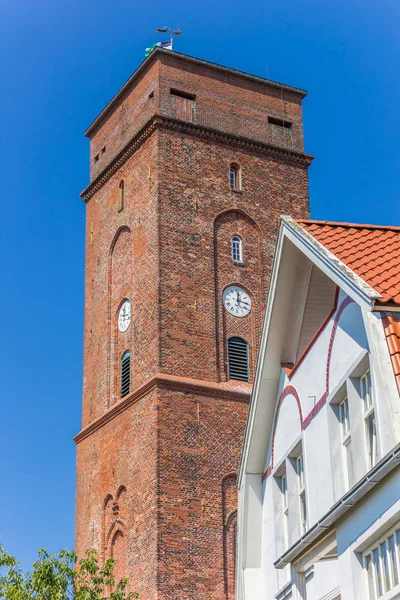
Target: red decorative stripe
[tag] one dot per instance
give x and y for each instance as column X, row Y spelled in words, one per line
column 291, row 390
column 316, row 336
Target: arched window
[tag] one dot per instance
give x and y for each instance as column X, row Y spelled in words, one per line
column 121, row 195
column 234, row 177
column 238, row 359
column 237, row 249
column 125, row 373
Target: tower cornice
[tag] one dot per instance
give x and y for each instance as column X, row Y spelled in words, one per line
column 246, row 144
column 237, row 391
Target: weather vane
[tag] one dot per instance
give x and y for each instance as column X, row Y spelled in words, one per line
column 166, row 45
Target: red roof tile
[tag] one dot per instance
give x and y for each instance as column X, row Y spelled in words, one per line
column 371, row 251
column 391, row 324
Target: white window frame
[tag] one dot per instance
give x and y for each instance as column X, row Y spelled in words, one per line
column 383, row 580
column 285, row 507
column 237, row 249
column 344, row 418
column 301, row 493
column 369, row 414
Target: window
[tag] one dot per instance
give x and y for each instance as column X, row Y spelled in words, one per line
column 237, row 251
column 346, row 439
column 369, row 418
column 280, row 122
column 125, row 373
column 302, row 493
column 234, row 177
column 285, row 507
column 381, row 564
column 182, row 94
column 121, row 195
column 238, row 359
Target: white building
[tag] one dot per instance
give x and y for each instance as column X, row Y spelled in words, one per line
column 319, row 482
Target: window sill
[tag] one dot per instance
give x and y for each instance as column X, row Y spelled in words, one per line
column 236, row 263
column 392, row 595
column 237, row 191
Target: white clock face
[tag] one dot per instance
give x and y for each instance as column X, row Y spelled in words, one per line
column 237, row 301
column 124, row 317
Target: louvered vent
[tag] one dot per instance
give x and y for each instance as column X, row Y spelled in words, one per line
column 238, row 359
column 125, row 373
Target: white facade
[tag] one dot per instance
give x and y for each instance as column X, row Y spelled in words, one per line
column 319, row 483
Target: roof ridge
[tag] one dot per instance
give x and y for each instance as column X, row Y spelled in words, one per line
column 348, row 225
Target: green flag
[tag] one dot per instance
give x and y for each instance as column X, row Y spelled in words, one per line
column 150, row 50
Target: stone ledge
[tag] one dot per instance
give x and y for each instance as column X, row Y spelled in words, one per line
column 239, row 392
column 229, row 139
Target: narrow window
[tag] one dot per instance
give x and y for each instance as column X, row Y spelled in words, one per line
column 234, row 177
column 285, row 508
column 302, row 493
column 238, row 359
column 237, row 250
column 121, row 195
column 125, row 373
column 346, row 440
column 369, row 418
column 96, row 158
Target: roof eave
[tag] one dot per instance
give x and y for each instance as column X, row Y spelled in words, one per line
column 355, row 285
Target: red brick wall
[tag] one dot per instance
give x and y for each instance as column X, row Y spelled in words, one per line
column 200, row 442
column 122, row 453
column 155, row 470
column 121, row 262
column 195, row 246
column 130, row 114
column 232, row 103
column 224, row 100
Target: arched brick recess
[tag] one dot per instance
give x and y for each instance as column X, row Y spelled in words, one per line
column 106, row 522
column 248, row 276
column 115, row 512
column 120, row 287
column 117, row 551
column 229, row 517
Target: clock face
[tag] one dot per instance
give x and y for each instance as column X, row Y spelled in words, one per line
column 237, row 301
column 124, row 317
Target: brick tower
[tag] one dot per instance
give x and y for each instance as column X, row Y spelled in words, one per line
column 192, row 164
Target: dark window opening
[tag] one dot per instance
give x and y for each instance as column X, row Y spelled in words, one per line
column 238, row 359
column 181, row 94
column 125, row 373
column 280, row 122
column 96, row 158
column 151, row 94
column 103, row 149
column 121, row 195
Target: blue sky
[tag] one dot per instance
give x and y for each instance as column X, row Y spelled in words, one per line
column 61, row 63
